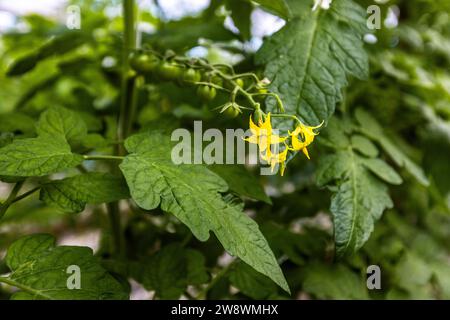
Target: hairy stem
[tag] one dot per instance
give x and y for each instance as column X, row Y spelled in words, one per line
column 127, row 105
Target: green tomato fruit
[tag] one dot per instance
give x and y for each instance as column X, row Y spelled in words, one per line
column 144, row 63
column 169, row 71
column 231, row 112
column 206, row 93
column 240, row 83
column 191, row 75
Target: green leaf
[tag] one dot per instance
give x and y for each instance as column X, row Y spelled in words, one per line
column 63, row 122
column 37, row 157
column 364, row 146
column 308, row 61
column 57, row 45
column 192, row 194
column 278, row 7
column 72, row 194
column 241, row 181
column 358, row 201
column 372, row 129
column 334, row 282
column 251, row 283
column 382, row 170
column 171, row 270
column 240, row 13
column 39, row 269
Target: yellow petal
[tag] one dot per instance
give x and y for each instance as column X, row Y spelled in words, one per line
column 297, row 144
column 267, row 125
column 253, row 127
column 305, row 151
column 274, row 139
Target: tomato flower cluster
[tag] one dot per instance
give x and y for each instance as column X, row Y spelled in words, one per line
column 211, row 78
column 263, row 135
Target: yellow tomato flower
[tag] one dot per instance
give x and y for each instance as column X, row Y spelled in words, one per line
column 307, row 135
column 262, row 135
column 279, row 158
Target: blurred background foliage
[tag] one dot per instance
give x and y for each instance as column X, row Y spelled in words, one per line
column 408, row 92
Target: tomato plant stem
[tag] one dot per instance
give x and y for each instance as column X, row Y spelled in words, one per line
column 125, row 116
column 4, row 207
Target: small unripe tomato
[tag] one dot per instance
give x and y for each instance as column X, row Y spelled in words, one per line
column 206, row 93
column 191, row 75
column 231, row 112
column 217, row 81
column 144, row 63
column 238, row 82
column 169, row 71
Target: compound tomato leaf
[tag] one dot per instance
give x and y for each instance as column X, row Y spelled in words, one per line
column 72, row 194
column 192, row 194
column 63, row 122
column 359, row 198
column 372, row 129
column 37, row 157
column 41, row 271
column 309, row 59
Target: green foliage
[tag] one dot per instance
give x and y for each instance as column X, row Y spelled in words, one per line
column 309, row 58
column 170, row 270
column 72, row 194
column 155, row 180
column 37, row 157
column 61, row 122
column 85, row 121
column 39, row 270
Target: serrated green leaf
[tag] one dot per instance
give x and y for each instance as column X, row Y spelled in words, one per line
column 359, row 199
column 37, row 157
column 251, row 283
column 39, row 269
column 192, row 194
column 72, row 194
column 278, row 7
column 241, row 181
column 372, row 129
column 308, row 61
column 63, row 122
